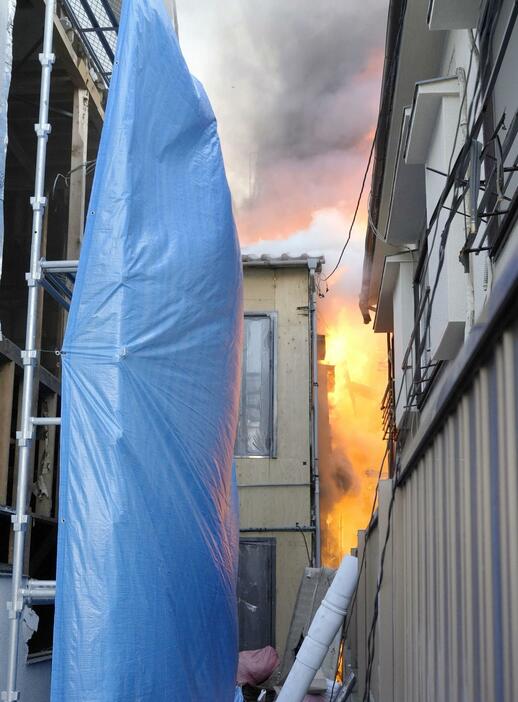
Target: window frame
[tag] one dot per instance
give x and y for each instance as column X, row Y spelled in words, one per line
column 272, row 316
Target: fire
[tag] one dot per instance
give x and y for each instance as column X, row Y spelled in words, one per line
column 352, row 450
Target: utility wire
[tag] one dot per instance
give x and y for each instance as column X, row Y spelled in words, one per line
column 371, row 643
column 358, row 203
column 360, row 569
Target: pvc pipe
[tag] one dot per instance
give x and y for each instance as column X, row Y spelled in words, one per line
column 324, row 627
column 38, row 202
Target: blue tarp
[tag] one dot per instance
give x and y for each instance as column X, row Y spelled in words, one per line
column 146, row 603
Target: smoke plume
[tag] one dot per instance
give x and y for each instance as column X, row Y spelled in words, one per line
column 295, row 86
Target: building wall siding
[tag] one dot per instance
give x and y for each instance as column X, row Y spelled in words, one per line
column 284, row 291
column 448, row 624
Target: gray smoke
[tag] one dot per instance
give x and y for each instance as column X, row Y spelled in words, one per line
column 295, row 88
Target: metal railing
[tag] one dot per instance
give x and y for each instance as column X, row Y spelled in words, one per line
column 97, row 24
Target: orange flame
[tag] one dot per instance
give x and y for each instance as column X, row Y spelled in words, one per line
column 356, row 446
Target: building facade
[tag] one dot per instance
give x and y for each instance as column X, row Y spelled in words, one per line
column 275, row 444
column 436, row 616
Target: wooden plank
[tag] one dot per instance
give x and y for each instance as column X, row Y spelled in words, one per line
column 79, row 155
column 6, row 409
column 11, row 352
column 46, row 459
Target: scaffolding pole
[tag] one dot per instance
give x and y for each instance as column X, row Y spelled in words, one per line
column 30, row 360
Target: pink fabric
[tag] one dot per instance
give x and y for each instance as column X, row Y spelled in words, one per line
column 256, row 666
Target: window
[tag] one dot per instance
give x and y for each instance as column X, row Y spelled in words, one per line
column 256, row 428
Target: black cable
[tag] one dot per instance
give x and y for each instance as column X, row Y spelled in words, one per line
column 358, row 203
column 371, row 641
column 305, row 542
column 360, row 570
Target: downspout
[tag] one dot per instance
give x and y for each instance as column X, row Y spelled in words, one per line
column 315, row 470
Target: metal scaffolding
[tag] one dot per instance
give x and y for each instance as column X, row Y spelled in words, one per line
column 97, row 23
column 25, row 436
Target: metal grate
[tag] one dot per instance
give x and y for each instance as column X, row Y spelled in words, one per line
column 97, row 23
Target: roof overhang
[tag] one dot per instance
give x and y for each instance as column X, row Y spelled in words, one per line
column 408, row 196
column 384, row 319
column 428, row 96
column 453, row 14
column 284, row 261
column 412, row 53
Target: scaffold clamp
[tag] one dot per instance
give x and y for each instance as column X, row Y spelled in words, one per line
column 30, row 358
column 38, row 203
column 10, row 696
column 14, row 610
column 47, row 59
column 20, row 522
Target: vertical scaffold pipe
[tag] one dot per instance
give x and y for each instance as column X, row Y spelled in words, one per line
column 324, row 627
column 30, row 359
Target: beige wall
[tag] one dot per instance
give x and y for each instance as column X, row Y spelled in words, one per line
column 285, row 291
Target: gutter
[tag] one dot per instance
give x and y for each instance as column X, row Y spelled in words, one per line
column 396, row 17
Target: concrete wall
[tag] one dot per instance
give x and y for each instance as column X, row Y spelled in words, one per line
column 284, row 291
column 33, row 677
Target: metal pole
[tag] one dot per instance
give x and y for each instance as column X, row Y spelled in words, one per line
column 314, row 409
column 30, row 360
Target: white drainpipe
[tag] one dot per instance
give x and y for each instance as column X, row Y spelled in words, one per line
column 324, row 627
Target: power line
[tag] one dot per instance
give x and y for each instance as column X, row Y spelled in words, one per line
column 371, row 643
column 358, row 203
column 362, row 563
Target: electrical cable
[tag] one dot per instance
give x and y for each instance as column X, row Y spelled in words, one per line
column 356, row 209
column 305, row 543
column 371, row 642
column 360, row 569
column 371, row 153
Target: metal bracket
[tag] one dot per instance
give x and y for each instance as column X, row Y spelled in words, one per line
column 14, row 611
column 20, row 522
column 38, row 203
column 33, row 280
column 30, row 358
column 47, row 59
column 10, row 696
column 24, row 440
column 42, row 130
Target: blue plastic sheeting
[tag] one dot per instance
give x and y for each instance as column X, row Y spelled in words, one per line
column 146, row 601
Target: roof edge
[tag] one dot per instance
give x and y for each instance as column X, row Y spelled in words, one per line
column 396, row 16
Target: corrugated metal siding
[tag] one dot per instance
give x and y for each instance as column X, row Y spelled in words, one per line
column 448, row 624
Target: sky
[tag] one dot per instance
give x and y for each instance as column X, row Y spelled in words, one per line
column 295, row 87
